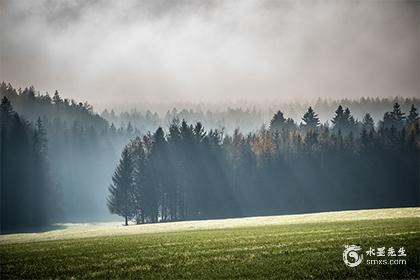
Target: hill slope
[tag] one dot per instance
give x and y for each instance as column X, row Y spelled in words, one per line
column 81, row 230
column 296, row 246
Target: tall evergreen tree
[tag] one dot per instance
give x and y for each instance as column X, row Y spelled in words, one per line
column 120, row 199
column 310, row 119
column 393, row 120
column 367, row 123
column 413, row 116
column 140, row 174
column 339, row 119
column 158, row 162
column 397, row 114
column 278, row 122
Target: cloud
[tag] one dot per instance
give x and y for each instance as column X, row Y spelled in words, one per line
column 126, row 52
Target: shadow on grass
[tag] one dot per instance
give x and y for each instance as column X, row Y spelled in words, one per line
column 39, row 229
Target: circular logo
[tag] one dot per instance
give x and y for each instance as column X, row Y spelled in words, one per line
column 350, row 256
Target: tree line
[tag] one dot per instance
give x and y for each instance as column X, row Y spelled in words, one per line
column 250, row 117
column 189, row 173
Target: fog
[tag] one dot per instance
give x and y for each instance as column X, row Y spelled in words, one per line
column 127, row 53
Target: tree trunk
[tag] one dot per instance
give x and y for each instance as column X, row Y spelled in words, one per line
column 126, row 220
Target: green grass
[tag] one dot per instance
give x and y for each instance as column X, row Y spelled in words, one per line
column 308, row 250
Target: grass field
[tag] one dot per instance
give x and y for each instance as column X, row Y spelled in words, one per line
column 282, row 247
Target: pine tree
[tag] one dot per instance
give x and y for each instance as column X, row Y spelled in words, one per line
column 56, row 98
column 6, row 109
column 397, row 116
column 120, row 199
column 157, row 188
column 176, row 170
column 140, row 178
column 278, row 122
column 413, row 116
column 343, row 121
column 367, row 123
column 338, row 119
column 310, row 119
column 394, row 119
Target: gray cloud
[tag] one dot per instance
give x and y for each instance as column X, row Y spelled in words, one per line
column 127, row 52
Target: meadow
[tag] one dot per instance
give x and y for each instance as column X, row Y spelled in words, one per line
column 282, row 247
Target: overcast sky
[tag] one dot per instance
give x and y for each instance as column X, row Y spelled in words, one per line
column 127, row 52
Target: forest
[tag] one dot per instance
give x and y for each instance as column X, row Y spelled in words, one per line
column 28, row 196
column 81, row 151
column 61, row 161
column 249, row 117
column 189, row 173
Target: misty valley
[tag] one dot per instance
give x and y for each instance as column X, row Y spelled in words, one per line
column 63, row 162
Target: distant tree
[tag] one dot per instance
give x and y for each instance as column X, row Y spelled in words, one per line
column 394, row 119
column 350, row 121
column 397, row 114
column 339, row 119
column 56, row 98
column 343, row 121
column 278, row 122
column 199, row 132
column 367, row 123
column 120, row 199
column 413, row 116
column 310, row 119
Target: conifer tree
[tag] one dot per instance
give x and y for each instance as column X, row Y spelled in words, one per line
column 310, row 119
column 278, row 122
column 368, row 123
column 140, row 179
column 338, row 119
column 413, row 116
column 120, row 199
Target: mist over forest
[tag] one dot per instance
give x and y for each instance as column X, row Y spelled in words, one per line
column 179, row 110
column 190, row 164
column 209, row 139
column 250, row 117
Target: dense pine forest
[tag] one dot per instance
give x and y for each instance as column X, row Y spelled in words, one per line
column 191, row 173
column 58, row 157
column 82, row 150
column 29, row 196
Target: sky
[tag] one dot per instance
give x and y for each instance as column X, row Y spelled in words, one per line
column 154, row 51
